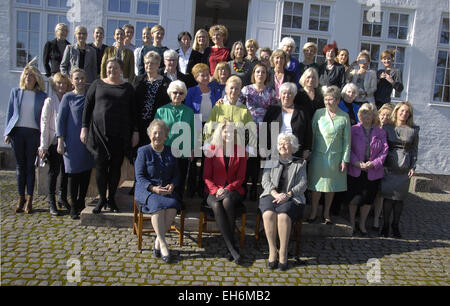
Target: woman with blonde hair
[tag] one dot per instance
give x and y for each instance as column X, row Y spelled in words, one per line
column 309, row 51
column 368, row 151
column 219, row 53
column 279, row 74
column 48, row 149
column 22, row 129
column 251, row 46
column 220, row 77
column 309, row 95
column 403, row 139
column 54, row 50
column 389, row 78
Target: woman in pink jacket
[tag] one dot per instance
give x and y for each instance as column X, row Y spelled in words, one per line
column 369, row 149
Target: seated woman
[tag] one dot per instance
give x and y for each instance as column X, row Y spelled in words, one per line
column 224, row 173
column 367, row 154
column 282, row 200
column 156, row 178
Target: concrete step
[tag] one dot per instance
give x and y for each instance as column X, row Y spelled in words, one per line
column 340, row 228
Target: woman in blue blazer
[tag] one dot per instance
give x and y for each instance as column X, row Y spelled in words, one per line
column 22, row 131
column 157, row 176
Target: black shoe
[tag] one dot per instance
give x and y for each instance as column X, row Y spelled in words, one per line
column 156, row 252
column 310, row 221
column 98, row 208
column 385, row 231
column 52, row 205
column 272, row 265
column 396, row 232
column 112, row 205
column 81, row 206
column 284, row 267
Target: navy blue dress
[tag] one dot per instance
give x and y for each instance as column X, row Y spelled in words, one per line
column 157, row 169
column 77, row 158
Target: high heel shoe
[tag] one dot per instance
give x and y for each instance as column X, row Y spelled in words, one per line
column 98, row 208
column 284, row 267
column 272, row 265
column 156, row 252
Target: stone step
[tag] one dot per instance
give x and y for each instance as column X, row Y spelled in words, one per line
column 124, row 218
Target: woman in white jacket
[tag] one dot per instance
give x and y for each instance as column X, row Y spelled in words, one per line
column 47, row 151
column 364, row 78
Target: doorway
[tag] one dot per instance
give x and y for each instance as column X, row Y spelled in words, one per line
column 231, row 13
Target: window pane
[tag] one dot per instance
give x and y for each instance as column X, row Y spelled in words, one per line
column 52, row 21
column 376, row 31
column 393, row 20
column 142, row 7
column 34, row 21
column 437, row 96
column 392, row 32
column 21, row 58
column 402, row 33
column 367, row 29
column 323, row 25
column 35, row 2
column 53, row 3
column 325, row 11
column 442, row 59
column 154, row 9
column 446, row 94
column 444, row 38
column 113, row 5
column 440, row 72
column 22, row 40
column 445, row 26
column 313, row 24
column 22, row 21
column 404, row 20
column 297, row 22
column 315, row 10
column 125, row 6
column 288, row 7
column 298, row 9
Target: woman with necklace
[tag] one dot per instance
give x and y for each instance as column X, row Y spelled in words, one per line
column 121, row 52
column 367, row 154
column 258, row 98
column 279, row 74
column 283, row 199
column 157, row 176
column 239, row 65
column 178, row 114
column 110, row 129
column 400, row 165
column 331, row 73
column 330, row 153
column 48, row 149
column 78, row 161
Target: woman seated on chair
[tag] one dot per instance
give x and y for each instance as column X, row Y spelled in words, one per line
column 282, row 200
column 224, row 173
column 157, row 176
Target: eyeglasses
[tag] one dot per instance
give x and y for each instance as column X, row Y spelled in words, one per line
column 178, row 93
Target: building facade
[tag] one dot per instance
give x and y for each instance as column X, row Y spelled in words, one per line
column 419, row 30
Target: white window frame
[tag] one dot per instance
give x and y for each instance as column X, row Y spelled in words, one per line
column 305, row 33
column 384, row 41
column 440, row 47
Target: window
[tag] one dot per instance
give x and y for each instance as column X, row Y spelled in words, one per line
column 27, row 39
column 57, row 3
column 32, row 2
column 146, row 7
column 441, row 92
column 319, row 17
column 306, row 21
column 391, row 31
column 120, row 6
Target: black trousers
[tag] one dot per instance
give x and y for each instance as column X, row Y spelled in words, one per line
column 107, row 174
column 79, row 184
column 55, row 168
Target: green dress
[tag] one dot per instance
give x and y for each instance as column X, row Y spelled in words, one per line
column 331, row 146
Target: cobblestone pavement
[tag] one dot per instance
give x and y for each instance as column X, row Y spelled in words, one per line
column 39, row 249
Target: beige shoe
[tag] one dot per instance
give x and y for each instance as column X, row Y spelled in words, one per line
column 28, row 204
column 20, row 204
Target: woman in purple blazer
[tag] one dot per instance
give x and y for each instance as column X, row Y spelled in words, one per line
column 369, row 149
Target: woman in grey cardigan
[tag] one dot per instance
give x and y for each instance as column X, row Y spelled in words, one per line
column 80, row 55
column 283, row 198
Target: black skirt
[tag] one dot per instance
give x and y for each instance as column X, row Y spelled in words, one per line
column 292, row 209
column 360, row 190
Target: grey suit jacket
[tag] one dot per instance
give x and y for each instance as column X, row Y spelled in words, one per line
column 297, row 179
column 71, row 59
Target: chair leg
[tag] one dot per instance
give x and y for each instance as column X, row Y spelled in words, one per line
column 181, row 235
column 200, row 229
column 140, row 225
column 243, row 219
column 258, row 221
column 135, row 219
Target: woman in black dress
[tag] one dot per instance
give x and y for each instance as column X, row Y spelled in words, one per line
column 331, row 72
column 109, row 122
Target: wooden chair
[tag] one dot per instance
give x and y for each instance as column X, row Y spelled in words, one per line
column 207, row 215
column 139, row 219
column 297, row 234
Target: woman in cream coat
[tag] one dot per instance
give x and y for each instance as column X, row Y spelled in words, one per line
column 364, row 78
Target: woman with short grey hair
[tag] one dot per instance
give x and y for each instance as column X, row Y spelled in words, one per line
column 54, row 50
column 282, row 200
column 288, row 45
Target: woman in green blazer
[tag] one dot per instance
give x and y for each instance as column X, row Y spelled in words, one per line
column 330, row 153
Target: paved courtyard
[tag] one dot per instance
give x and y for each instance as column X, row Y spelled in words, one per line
column 39, row 249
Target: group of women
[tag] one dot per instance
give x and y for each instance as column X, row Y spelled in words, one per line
column 324, row 141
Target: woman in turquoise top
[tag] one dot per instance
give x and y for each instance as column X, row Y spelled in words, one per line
column 330, row 153
column 180, row 137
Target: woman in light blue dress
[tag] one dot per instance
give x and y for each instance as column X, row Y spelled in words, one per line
column 78, row 161
column 330, row 153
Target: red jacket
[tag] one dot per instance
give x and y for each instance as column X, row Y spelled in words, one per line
column 215, row 174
